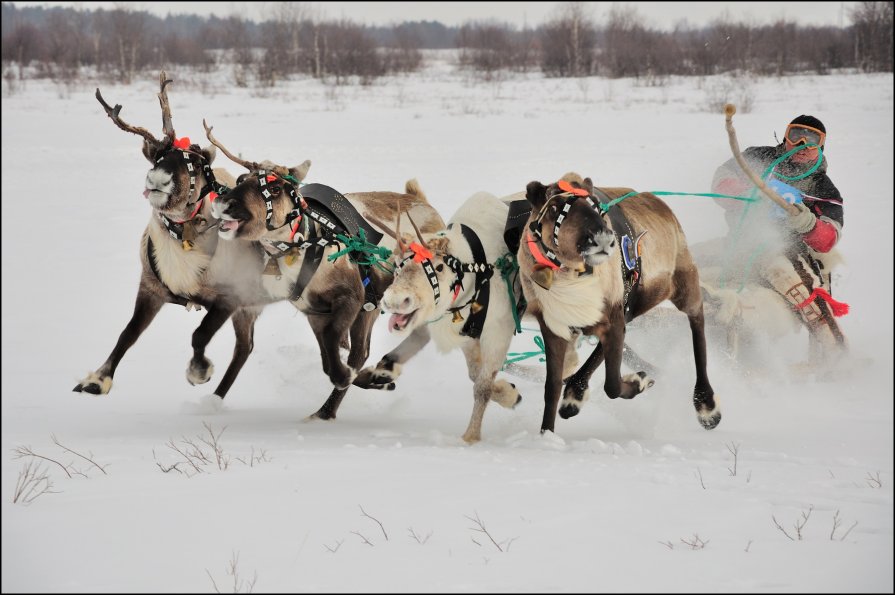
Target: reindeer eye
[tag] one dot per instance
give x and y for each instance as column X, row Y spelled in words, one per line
column 439, row 268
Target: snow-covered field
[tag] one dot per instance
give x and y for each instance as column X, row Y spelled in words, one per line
column 628, row 496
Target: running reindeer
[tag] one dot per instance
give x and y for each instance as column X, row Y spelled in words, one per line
column 468, row 269
column 574, row 281
column 182, row 262
column 324, row 253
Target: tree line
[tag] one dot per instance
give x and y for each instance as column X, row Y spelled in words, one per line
column 120, row 43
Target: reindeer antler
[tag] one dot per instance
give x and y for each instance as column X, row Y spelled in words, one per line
column 401, row 247
column 417, row 230
column 113, row 113
column 249, row 165
column 167, row 123
column 380, row 224
column 729, row 110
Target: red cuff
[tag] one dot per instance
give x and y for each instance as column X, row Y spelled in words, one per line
column 822, row 238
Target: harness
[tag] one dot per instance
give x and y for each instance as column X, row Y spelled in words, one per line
column 185, row 231
column 483, row 271
column 333, row 215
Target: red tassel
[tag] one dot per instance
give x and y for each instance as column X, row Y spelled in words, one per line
column 837, row 308
column 182, row 143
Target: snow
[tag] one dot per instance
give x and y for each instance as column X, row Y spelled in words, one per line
column 605, row 504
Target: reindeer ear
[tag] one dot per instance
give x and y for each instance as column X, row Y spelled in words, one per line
column 439, row 245
column 588, row 185
column 536, row 193
column 241, row 178
column 210, row 152
column 300, row 172
column 150, row 150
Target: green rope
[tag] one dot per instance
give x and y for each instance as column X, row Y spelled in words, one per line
column 295, row 181
column 614, row 202
column 507, row 265
column 521, row 355
column 360, row 251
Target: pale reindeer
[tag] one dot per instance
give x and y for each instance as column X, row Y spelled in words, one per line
column 450, row 288
column 303, row 231
column 587, row 269
column 183, row 262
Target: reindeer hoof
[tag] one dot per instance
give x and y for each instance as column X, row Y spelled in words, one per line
column 94, row 385
column 199, row 371
column 569, row 410
column 710, row 421
column 634, row 384
column 374, row 378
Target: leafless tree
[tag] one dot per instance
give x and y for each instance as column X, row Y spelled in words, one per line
column 568, row 42
column 873, row 35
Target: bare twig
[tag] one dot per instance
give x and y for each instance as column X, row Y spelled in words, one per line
column 166, row 469
column 222, row 460
column 335, row 549
column 667, row 544
column 782, row 530
column 873, row 480
column 421, row 541
column 364, row 512
column 748, row 545
column 239, row 585
column 88, row 459
column 480, row 528
column 25, row 451
column 798, row 525
column 699, row 475
column 695, row 542
column 364, row 539
column 837, row 521
column 33, row 482
column 734, row 449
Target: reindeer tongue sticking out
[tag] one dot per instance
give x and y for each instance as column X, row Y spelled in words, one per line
column 398, row 322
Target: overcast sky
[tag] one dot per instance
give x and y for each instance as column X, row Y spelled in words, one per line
column 655, row 14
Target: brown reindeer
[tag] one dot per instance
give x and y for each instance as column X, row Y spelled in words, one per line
column 183, row 263
column 577, row 277
column 304, row 232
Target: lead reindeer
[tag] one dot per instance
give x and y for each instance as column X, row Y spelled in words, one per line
column 315, row 239
column 589, row 268
column 183, row 262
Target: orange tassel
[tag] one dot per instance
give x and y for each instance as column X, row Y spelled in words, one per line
column 838, row 308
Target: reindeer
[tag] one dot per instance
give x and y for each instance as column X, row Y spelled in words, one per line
column 182, row 262
column 591, row 268
column 314, row 239
column 466, row 268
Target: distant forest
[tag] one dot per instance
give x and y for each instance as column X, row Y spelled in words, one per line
column 59, row 43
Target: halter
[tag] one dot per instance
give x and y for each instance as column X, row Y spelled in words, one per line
column 539, row 251
column 178, row 229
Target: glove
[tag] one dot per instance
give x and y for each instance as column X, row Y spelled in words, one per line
column 801, row 222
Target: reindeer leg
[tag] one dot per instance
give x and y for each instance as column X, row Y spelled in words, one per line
column 329, row 329
column 555, row 351
column 145, row 310
column 576, row 391
column 483, row 364
column 689, row 301
column 358, row 354
column 200, row 368
column 383, row 375
column 244, row 326
column 613, row 341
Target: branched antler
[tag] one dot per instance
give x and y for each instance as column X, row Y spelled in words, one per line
column 112, row 112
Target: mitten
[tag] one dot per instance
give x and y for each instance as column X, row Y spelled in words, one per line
column 801, row 222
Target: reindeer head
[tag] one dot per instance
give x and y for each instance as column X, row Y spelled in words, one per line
column 569, row 221
column 176, row 173
column 421, row 288
column 261, row 204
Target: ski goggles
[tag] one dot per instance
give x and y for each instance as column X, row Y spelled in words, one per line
column 798, row 134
